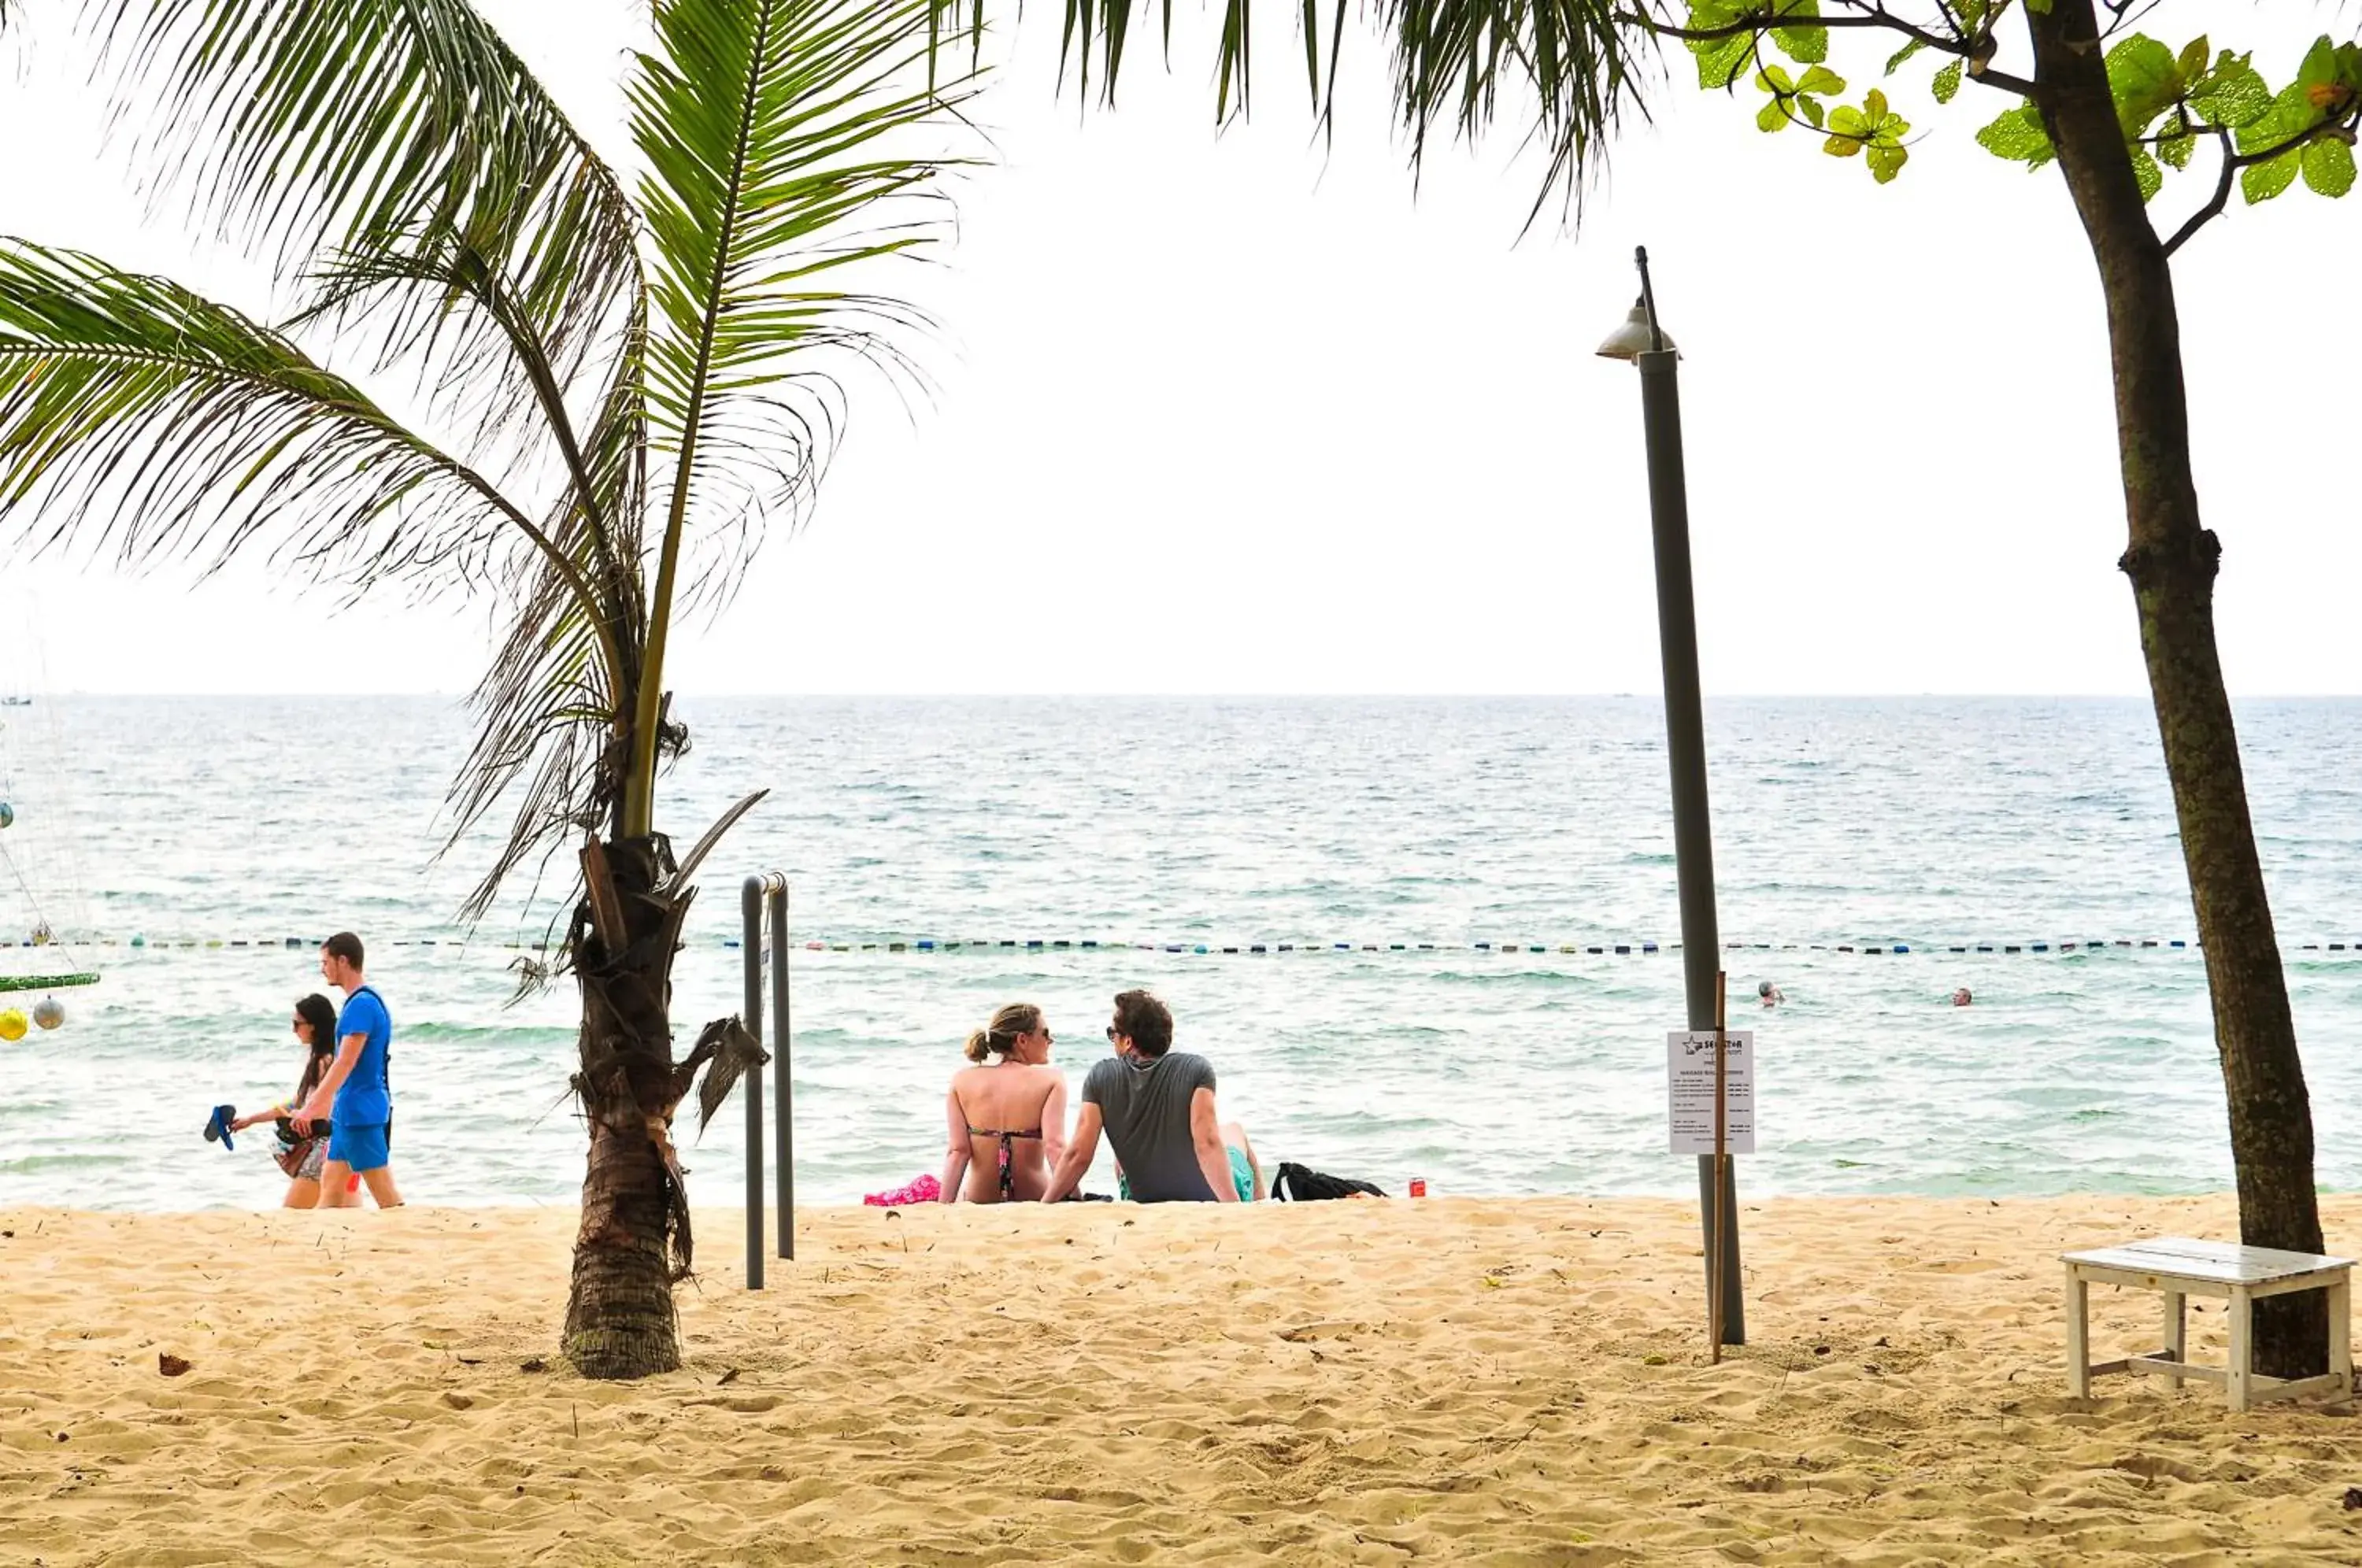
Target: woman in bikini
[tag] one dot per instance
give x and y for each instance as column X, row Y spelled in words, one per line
column 301, row 1158
column 1007, row 1114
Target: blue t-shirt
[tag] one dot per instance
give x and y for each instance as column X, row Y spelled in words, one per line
column 364, row 1100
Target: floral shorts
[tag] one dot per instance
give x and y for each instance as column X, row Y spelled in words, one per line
column 303, row 1158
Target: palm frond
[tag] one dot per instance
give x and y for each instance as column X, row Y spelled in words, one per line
column 1571, row 61
column 304, row 128
column 550, row 715
column 546, row 709
column 766, row 124
column 442, row 300
column 1568, row 63
column 138, row 416
column 773, row 130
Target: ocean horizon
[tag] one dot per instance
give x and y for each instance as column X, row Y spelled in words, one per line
column 1509, row 836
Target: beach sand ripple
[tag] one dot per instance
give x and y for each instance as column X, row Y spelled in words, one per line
column 1463, row 1381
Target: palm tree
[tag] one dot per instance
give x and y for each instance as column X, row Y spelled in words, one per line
column 645, row 381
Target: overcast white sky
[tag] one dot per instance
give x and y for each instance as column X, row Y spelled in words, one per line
column 1235, row 414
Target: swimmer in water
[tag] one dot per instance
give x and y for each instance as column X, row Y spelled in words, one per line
column 1960, row 997
column 1768, row 994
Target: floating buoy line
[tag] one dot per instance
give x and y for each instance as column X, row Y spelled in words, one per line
column 1191, row 947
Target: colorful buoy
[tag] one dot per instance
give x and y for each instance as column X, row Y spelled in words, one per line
column 49, row 1012
column 8, row 814
column 12, row 1024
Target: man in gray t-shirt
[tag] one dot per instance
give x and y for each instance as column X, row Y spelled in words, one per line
column 1157, row 1109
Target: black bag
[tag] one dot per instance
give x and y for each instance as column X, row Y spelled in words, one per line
column 1294, row 1184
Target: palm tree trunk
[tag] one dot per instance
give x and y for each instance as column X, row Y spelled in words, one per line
column 2171, row 560
column 619, row 1317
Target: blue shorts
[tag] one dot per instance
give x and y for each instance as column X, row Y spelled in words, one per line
column 359, row 1148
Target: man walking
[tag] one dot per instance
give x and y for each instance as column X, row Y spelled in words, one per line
column 1157, row 1107
column 354, row 1096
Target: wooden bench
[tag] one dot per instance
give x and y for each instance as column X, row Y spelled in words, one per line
column 2179, row 1267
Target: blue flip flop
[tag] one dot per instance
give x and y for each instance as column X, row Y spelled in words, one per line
column 218, row 1125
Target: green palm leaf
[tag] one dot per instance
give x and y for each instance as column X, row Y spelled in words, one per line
column 771, row 130
column 547, row 708
column 1569, row 64
column 136, row 414
column 351, row 124
column 440, row 299
column 400, row 154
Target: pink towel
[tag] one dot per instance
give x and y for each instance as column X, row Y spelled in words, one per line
column 926, row 1189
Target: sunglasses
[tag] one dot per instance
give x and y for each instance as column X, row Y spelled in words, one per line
column 1114, row 1034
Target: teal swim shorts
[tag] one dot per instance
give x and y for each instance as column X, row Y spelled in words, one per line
column 1242, row 1176
column 1241, row 1173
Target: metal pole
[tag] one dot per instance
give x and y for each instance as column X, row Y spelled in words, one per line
column 750, row 911
column 1669, row 518
column 1715, row 1275
column 780, row 1038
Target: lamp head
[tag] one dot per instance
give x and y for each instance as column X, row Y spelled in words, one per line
column 1630, row 340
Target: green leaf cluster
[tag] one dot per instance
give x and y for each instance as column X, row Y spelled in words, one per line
column 1720, row 60
column 2307, row 129
column 1874, row 131
column 1794, row 29
column 2016, row 134
column 2167, row 100
column 1795, row 98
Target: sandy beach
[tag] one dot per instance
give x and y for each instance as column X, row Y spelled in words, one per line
column 1450, row 1381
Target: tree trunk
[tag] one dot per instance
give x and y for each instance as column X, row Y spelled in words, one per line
column 619, row 1317
column 2171, row 561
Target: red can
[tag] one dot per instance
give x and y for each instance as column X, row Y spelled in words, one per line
column 1419, row 1187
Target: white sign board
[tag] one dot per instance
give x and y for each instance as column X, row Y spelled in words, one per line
column 1689, row 1092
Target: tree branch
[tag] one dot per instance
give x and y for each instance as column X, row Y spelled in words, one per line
column 2266, row 154
column 2125, row 12
column 1961, row 44
column 2213, row 208
column 2006, row 83
column 1784, row 100
column 1765, row 21
column 2232, row 161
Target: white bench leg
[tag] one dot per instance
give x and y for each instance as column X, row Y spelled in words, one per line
column 2243, row 1313
column 2174, row 1337
column 2341, row 1344
column 2079, row 1329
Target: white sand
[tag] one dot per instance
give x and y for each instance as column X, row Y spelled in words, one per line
column 1448, row 1381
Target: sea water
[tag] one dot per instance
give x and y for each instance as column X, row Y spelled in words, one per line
column 1215, row 822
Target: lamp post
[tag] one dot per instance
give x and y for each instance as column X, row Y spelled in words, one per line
column 1642, row 341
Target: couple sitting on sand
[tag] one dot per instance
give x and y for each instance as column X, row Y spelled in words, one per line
column 1008, row 1117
